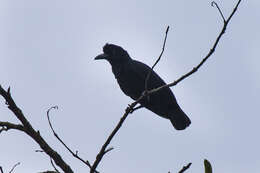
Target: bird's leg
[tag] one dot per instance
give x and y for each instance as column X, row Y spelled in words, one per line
column 134, row 109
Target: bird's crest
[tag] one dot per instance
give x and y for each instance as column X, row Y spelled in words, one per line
column 115, row 52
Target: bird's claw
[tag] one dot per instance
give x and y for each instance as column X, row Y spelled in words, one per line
column 129, row 109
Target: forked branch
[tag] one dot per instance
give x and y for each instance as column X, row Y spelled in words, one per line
column 212, row 50
column 29, row 130
column 74, row 154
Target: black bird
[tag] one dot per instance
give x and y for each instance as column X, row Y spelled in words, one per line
column 131, row 76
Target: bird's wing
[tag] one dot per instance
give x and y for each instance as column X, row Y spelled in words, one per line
column 141, row 71
column 164, row 96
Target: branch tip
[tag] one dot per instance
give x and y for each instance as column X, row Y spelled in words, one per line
column 214, row 4
column 168, row 27
column 74, row 154
column 185, row 168
column 8, row 90
column 156, row 62
column 109, row 149
column 53, row 107
column 39, row 151
column 14, row 167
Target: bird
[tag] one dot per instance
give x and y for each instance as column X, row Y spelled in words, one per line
column 131, row 76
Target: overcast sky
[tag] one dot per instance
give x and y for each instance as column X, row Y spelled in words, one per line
column 46, row 56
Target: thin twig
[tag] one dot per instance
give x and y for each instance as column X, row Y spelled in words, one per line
column 130, row 108
column 39, row 151
column 74, row 154
column 109, row 149
column 156, row 62
column 213, row 3
column 30, row 131
column 53, row 107
column 14, row 167
column 7, row 126
column 185, row 168
column 234, row 10
column 212, row 50
column 119, row 124
column 53, row 165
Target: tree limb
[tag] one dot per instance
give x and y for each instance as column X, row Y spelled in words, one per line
column 28, row 129
column 74, row 154
column 102, row 152
column 185, row 168
column 7, row 126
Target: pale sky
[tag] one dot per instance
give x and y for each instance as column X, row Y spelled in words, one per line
column 46, row 56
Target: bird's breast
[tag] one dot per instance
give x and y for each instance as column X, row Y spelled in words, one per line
column 129, row 83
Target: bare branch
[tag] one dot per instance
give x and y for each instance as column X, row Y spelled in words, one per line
column 39, row 151
column 53, row 107
column 130, row 108
column 14, row 167
column 213, row 3
column 53, row 165
column 234, row 11
column 159, row 58
column 7, row 126
column 212, row 50
column 119, row 124
column 185, row 168
column 29, row 130
column 109, row 149
column 74, row 154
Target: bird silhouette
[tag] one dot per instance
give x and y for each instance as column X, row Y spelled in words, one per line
column 131, row 76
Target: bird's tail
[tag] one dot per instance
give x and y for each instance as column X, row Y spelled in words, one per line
column 180, row 120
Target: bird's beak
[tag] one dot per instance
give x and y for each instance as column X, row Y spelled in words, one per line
column 101, row 56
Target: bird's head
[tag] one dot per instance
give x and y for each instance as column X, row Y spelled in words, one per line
column 114, row 54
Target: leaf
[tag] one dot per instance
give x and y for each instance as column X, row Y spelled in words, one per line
column 207, row 165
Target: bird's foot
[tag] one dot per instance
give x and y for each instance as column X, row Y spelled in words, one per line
column 133, row 109
column 129, row 109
